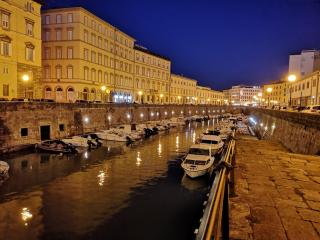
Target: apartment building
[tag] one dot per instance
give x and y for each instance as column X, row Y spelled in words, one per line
column 277, row 95
column 305, row 63
column 183, row 89
column 242, row 94
column 85, row 58
column 20, row 48
column 152, row 76
column 305, row 91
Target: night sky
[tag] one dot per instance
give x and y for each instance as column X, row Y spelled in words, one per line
column 218, row 42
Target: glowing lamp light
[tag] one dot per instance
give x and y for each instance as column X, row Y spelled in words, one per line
column 172, row 112
column 128, row 116
column 86, row 119
column 151, row 114
column 141, row 115
column 25, row 78
column 166, row 113
column 292, row 78
column 269, row 89
column 161, row 95
column 103, row 88
column 109, row 118
column 140, row 93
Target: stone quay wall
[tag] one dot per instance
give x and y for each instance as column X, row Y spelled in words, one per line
column 21, row 123
column 299, row 132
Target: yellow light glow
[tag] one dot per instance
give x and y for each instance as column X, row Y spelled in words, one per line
column 269, row 89
column 25, row 78
column 292, row 78
column 161, row 95
column 260, row 94
column 140, row 93
column 179, row 97
column 103, row 88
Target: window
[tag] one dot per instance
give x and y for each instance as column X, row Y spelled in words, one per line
column 59, row 19
column 24, row 132
column 29, row 53
column 58, row 53
column 70, row 53
column 58, row 72
column 5, row 48
column 29, row 28
column 70, row 34
column 85, row 36
column 93, row 57
column 86, row 73
column 47, row 53
column 86, row 54
column 47, row 20
column 69, row 72
column 47, row 35
column 5, row 20
column 58, row 35
column 47, row 72
column 61, row 127
column 70, row 17
column 5, row 90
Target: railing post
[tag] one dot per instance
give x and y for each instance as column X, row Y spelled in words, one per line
column 225, row 213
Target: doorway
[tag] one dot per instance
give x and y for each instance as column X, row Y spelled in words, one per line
column 45, row 132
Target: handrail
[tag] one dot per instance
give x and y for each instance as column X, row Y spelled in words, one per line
column 217, row 204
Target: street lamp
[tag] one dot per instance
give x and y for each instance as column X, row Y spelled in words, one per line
column 25, row 78
column 291, row 78
column 161, row 96
column 269, row 91
column 140, row 96
column 103, row 89
column 179, row 97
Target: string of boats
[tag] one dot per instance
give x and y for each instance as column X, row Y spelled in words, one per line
column 199, row 160
column 206, row 153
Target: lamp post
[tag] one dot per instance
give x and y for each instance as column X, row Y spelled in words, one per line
column 103, row 89
column 25, row 79
column 161, row 97
column 292, row 78
column 179, row 97
column 140, row 96
column 269, row 91
column 259, row 98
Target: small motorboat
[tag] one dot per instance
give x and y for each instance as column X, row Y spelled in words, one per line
column 4, row 171
column 198, row 161
column 214, row 141
column 56, row 146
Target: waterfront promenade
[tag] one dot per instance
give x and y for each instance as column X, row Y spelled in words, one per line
column 277, row 193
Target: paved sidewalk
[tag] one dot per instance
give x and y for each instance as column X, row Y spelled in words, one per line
column 277, row 193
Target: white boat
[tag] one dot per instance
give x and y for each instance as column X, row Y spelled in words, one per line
column 215, row 142
column 4, row 170
column 177, row 121
column 77, row 141
column 198, row 161
column 114, row 135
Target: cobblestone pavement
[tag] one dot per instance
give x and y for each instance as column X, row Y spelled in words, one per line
column 277, row 193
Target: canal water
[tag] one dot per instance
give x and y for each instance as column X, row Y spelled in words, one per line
column 114, row 192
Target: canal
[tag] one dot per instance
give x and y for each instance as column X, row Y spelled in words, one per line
column 114, row 192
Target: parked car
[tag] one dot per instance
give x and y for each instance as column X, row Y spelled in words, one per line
column 298, row 108
column 312, row 109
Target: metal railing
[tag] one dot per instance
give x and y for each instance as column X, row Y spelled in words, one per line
column 215, row 221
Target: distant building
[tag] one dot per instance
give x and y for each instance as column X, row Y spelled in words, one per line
column 278, row 94
column 305, row 63
column 152, row 76
column 183, row 89
column 242, row 94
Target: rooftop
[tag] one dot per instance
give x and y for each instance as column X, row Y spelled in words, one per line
column 145, row 50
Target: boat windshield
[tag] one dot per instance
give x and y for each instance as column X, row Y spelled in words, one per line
column 209, row 142
column 198, row 162
column 199, row 151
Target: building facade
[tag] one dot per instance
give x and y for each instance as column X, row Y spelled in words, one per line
column 277, row 96
column 242, row 95
column 85, row 58
column 152, row 76
column 305, row 63
column 20, row 49
column 305, row 91
column 183, row 89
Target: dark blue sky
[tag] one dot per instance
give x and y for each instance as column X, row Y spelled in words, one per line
column 218, row 42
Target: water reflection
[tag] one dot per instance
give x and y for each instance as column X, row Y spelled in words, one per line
column 80, row 196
